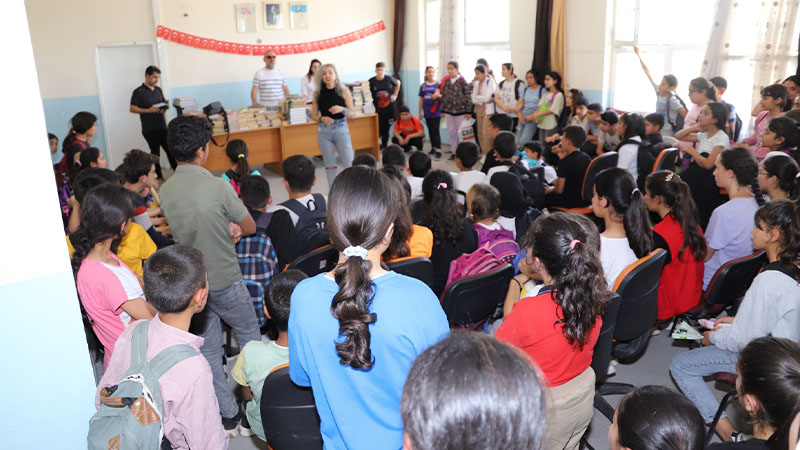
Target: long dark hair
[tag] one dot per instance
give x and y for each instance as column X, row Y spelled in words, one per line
column 769, row 368
column 561, row 244
column 577, row 100
column 360, row 212
column 237, row 153
column 441, row 208
column 777, row 92
column 785, row 169
column 634, row 126
column 785, row 128
column 79, row 124
column 678, row 198
column 557, row 78
column 782, row 215
column 310, row 74
column 745, row 168
column 719, row 113
column 403, row 224
column 701, row 84
column 104, row 210
column 658, row 418
column 617, row 186
column 89, row 156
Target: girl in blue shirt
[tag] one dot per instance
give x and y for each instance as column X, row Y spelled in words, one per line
column 354, row 331
column 529, row 101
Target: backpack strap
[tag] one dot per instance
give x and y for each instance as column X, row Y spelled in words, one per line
column 516, row 89
column 777, row 266
column 139, row 344
column 168, row 357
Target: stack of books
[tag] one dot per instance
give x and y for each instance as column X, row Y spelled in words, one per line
column 185, row 105
column 293, row 108
column 218, row 123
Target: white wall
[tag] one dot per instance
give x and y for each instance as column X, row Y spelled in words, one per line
column 589, row 26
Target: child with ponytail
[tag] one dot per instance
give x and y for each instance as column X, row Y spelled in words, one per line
column 109, row 291
column 781, row 135
column 355, row 353
column 92, row 157
column 237, row 153
column 84, row 127
column 558, row 328
column 777, row 177
column 774, row 99
column 627, row 236
column 728, row 232
column 679, row 233
column 771, row 306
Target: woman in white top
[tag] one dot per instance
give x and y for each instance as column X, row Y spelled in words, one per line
column 632, row 134
column 308, row 84
column 509, row 91
column 709, row 133
column 483, row 89
column 628, row 235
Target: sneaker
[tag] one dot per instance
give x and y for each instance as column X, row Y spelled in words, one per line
column 433, row 151
column 452, row 157
column 437, row 156
column 244, row 426
column 231, row 425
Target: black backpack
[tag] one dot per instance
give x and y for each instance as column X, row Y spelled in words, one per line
column 523, row 222
column 530, row 182
column 312, row 224
column 678, row 125
column 645, row 158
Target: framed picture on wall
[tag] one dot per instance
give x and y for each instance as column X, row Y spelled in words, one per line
column 245, row 17
column 273, row 16
column 298, row 15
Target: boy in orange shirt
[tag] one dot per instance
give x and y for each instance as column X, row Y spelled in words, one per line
column 408, row 131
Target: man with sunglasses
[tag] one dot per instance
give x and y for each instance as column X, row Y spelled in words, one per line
column 269, row 84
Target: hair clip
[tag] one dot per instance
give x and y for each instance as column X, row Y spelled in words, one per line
column 441, row 186
column 669, row 176
column 635, row 190
column 573, row 244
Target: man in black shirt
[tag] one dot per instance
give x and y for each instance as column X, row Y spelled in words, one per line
column 384, row 90
column 148, row 101
column 572, row 165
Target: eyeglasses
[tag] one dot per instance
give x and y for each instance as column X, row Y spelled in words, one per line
column 271, row 57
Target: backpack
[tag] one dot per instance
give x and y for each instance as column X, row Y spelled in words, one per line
column 480, row 261
column 530, row 182
column 678, row 125
column 133, row 417
column 516, row 87
column 500, row 242
column 645, row 158
column 523, row 222
column 312, row 225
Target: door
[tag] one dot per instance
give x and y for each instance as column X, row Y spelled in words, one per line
column 120, row 70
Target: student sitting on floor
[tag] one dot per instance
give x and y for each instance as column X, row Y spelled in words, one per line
column 770, row 306
column 408, row 131
column 559, row 327
column 259, row 358
column 175, row 282
column 237, row 154
column 496, row 390
column 467, row 155
column 572, row 165
column 109, row 291
column 409, row 240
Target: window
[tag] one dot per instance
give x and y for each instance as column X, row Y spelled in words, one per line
column 432, row 11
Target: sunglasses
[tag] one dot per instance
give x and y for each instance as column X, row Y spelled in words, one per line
column 271, row 57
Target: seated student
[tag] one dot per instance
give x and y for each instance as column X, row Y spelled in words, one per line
column 256, row 254
column 92, row 157
column 558, row 328
column 419, row 164
column 770, row 306
column 627, row 236
column 306, row 210
column 609, row 137
column 365, row 159
column 409, row 240
column 532, row 153
column 575, row 104
column 139, row 172
column 279, row 228
column 408, row 131
column 497, row 123
column 237, row 154
column 176, row 285
column 259, row 358
column 728, row 232
column 393, row 155
column 515, row 203
column 467, row 155
column 782, row 134
column 678, row 232
column 774, row 101
column 496, row 390
column 109, row 291
column 720, row 86
column 656, row 418
column 505, row 147
column 653, row 123
column 593, row 127
column 572, row 165
column 453, row 234
column 354, row 332
column 777, row 177
column 631, row 131
column 483, row 204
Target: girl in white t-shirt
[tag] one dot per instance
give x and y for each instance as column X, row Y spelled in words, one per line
column 628, row 235
column 631, row 132
column 509, row 91
column 308, row 84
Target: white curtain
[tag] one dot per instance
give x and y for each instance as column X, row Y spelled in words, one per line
column 448, row 34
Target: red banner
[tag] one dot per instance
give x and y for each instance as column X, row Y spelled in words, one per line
column 204, row 43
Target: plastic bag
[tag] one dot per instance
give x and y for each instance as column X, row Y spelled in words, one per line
column 465, row 131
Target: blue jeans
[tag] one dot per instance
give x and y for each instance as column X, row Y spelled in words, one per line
column 526, row 132
column 331, row 138
column 233, row 305
column 689, row 368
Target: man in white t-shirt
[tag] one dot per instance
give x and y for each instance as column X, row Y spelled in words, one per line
column 269, row 83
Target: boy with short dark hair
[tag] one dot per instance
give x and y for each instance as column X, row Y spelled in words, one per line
column 384, row 90
column 365, row 159
column 608, row 139
column 533, row 152
column 306, row 210
column 467, row 155
column 258, row 359
column 653, row 123
column 408, row 131
column 572, row 165
column 497, row 123
column 419, row 164
column 255, row 192
column 505, row 146
column 720, row 86
column 175, row 284
column 139, row 172
column 394, row 155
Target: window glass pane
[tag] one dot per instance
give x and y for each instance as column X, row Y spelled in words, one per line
column 739, row 74
column 432, row 59
column 432, row 10
column 486, row 21
column 625, row 20
column 632, row 91
column 495, row 57
column 686, row 65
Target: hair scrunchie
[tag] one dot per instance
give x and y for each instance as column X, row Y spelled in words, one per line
column 357, row 251
column 241, row 155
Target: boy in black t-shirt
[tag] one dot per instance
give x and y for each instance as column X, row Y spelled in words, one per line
column 572, row 165
column 653, row 123
column 384, row 90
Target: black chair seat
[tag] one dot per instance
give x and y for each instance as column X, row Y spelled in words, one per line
column 419, row 268
column 317, row 261
column 289, row 413
column 470, row 301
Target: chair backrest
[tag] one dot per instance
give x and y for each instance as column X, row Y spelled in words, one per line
column 602, row 348
column 637, row 287
column 597, row 165
column 667, row 159
column 732, row 280
column 474, row 299
column 316, row 261
column 539, row 172
column 419, row 268
column 288, row 413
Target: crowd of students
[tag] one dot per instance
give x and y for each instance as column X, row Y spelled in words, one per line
column 373, row 345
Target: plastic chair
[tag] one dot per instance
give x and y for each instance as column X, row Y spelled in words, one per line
column 470, row 301
column 289, row 413
column 317, row 261
column 597, row 165
column 667, row 159
column 419, row 268
column 729, row 284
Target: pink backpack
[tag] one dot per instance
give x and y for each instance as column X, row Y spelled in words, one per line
column 500, row 242
column 480, row 261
